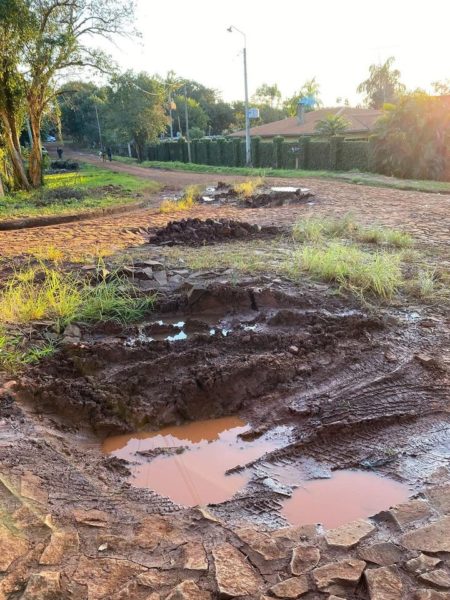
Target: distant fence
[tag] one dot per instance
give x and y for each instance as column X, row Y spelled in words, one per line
column 335, row 153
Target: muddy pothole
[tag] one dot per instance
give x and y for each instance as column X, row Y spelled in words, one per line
column 312, row 390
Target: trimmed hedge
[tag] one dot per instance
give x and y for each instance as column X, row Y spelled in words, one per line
column 336, row 153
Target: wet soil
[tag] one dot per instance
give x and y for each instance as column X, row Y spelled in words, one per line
column 263, row 197
column 354, row 389
column 197, row 232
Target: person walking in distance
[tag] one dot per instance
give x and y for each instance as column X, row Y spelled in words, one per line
column 109, row 153
column 59, row 152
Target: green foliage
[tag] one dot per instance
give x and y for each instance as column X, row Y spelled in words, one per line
column 412, row 138
column 310, row 88
column 267, row 94
column 354, row 154
column 383, row 84
column 331, row 125
column 354, row 269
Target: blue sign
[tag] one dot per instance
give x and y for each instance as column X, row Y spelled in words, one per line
column 307, row 101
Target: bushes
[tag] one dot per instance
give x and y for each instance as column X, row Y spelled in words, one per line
column 354, row 155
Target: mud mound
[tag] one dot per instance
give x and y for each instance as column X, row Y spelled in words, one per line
column 195, row 232
column 262, row 197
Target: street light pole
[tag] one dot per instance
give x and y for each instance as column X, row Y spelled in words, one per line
column 248, row 148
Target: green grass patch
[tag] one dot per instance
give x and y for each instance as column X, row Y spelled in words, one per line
column 350, row 267
column 188, row 200
column 86, row 190
column 358, row 178
column 319, row 229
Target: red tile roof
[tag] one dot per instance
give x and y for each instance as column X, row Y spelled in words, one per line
column 361, row 120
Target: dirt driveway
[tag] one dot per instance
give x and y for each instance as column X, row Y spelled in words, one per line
column 425, row 216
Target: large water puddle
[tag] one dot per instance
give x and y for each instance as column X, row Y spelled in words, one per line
column 344, row 497
column 189, row 464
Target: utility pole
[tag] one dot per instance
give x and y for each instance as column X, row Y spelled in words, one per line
column 188, row 139
column 170, row 115
column 248, row 148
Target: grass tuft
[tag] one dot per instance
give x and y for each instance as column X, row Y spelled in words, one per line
column 246, row 189
column 352, row 268
column 189, row 199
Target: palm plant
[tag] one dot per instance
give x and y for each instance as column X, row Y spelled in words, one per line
column 331, row 125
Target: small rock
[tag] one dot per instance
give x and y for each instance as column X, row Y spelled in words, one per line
column 195, row 293
column 431, row 595
column 304, row 559
column 31, row 487
column 329, row 577
column 234, row 575
column 261, row 543
column 383, row 554
column 293, row 349
column 188, row 590
column 350, row 534
column 11, row 548
column 422, row 563
column 410, row 512
column 439, row 578
column 62, row 543
column 72, row 331
column 291, row 588
column 440, row 498
column 93, row 517
column 45, row 585
column 385, row 584
column 431, row 538
column 102, row 547
column 160, row 277
column 195, row 557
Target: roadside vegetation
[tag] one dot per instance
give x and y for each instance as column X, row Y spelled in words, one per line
column 355, row 177
column 188, row 200
column 89, row 189
column 43, row 294
column 248, row 188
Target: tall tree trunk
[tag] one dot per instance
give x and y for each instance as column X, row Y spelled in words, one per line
column 13, row 145
column 35, row 168
column 2, row 191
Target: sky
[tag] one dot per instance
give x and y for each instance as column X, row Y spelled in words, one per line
column 290, row 41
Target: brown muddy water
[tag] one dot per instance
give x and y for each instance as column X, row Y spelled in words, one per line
column 189, row 463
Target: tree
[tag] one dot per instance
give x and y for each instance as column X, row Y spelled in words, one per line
column 16, row 29
column 331, row 125
column 441, row 88
column 135, row 110
column 383, row 85
column 78, row 102
column 196, row 115
column 412, row 139
column 310, row 89
column 267, row 94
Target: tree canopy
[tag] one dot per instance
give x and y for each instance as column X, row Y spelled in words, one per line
column 383, row 86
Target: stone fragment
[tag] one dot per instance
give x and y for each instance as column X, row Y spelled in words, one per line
column 440, row 498
column 384, row 584
column 153, row 529
column 304, row 559
column 195, row 293
column 298, row 533
column 383, row 554
column 93, row 517
column 410, row 512
column 234, row 575
column 431, row 538
column 439, row 578
column 350, row 534
column 291, row 588
column 31, row 487
column 45, row 585
column 104, row 576
column 422, row 563
column 195, row 557
column 345, row 571
column 61, row 544
column 188, row 590
column 431, row 595
column 12, row 547
column 160, row 277
column 261, row 543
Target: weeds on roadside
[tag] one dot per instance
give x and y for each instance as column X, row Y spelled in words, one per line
column 317, row 229
column 247, row 188
column 354, row 269
column 187, row 201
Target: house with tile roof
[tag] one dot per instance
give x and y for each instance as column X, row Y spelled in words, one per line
column 361, row 123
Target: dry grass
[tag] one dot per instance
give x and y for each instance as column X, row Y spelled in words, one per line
column 189, row 199
column 248, row 188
